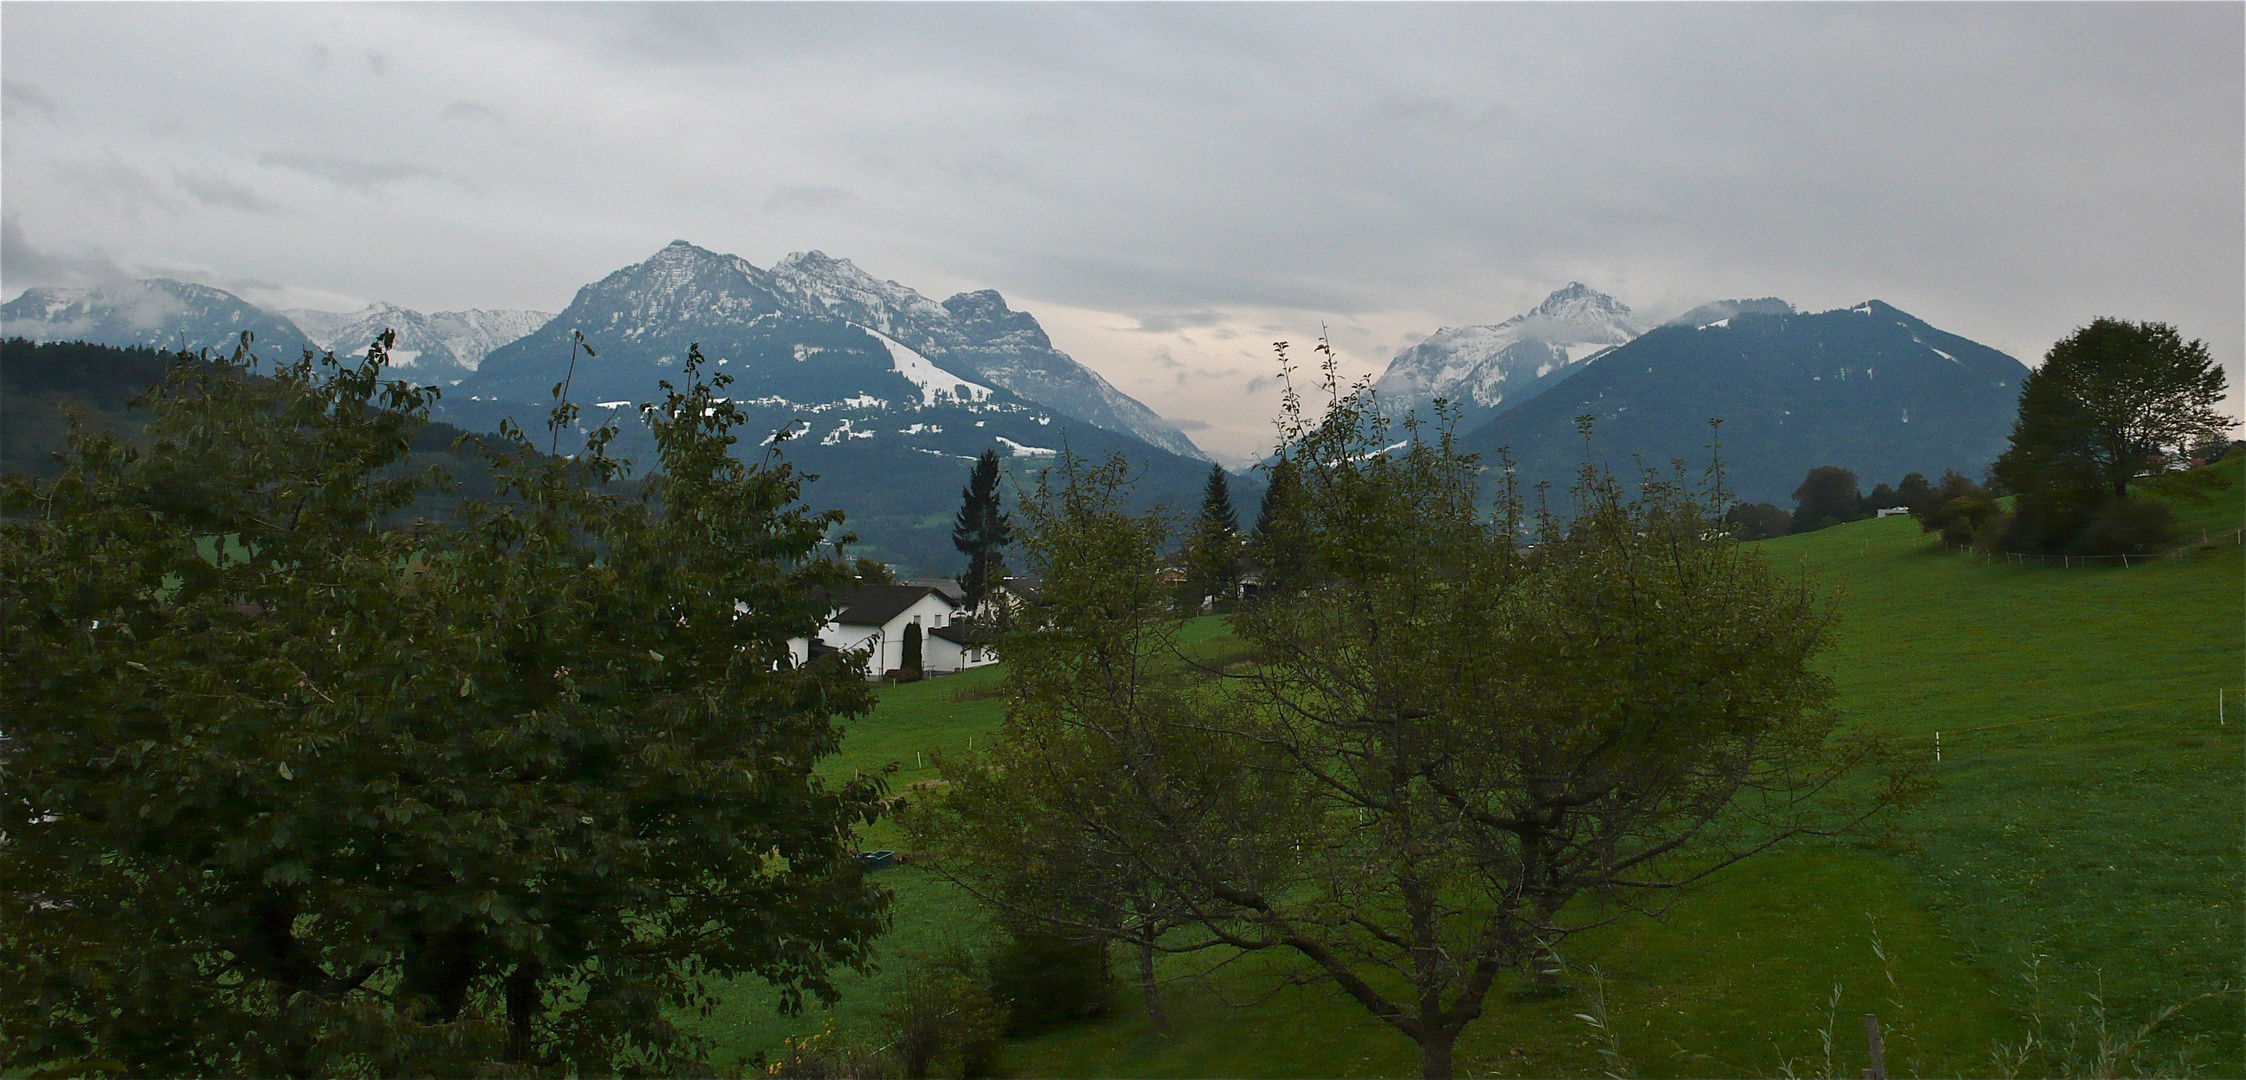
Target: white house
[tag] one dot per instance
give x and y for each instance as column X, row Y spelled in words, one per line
column 956, row 648
column 875, row 618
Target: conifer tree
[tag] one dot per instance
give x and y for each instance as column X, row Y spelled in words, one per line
column 1214, row 548
column 982, row 531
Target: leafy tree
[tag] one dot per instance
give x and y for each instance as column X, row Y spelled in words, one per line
column 1882, row 497
column 291, row 794
column 1447, row 740
column 1759, row 521
column 1959, row 509
column 1827, row 496
column 1212, row 552
column 2113, row 400
column 1913, row 492
column 871, row 571
column 1035, row 826
column 981, row 531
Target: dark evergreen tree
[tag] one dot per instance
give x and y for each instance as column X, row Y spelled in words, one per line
column 1827, row 496
column 1278, row 547
column 910, row 663
column 982, row 531
column 1212, row 553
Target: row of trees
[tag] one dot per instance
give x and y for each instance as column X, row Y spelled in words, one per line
column 1449, row 754
column 287, row 792
column 2114, row 403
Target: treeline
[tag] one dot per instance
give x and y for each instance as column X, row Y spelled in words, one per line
column 2118, row 410
column 43, row 385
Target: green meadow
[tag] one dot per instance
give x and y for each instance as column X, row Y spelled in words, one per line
column 2077, row 870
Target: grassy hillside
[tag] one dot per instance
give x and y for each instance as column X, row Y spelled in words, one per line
column 2087, row 827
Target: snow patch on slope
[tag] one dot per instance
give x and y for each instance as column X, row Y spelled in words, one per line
column 934, row 382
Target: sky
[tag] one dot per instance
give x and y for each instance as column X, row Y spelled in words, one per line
column 1169, row 188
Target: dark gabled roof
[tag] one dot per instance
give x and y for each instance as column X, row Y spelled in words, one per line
column 956, row 592
column 967, row 634
column 875, row 605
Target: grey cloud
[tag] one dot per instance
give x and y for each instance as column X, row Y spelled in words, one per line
column 807, row 197
column 112, row 182
column 19, row 100
column 1189, row 425
column 378, row 64
column 352, row 174
column 474, row 112
column 1170, row 322
column 24, row 264
column 219, row 193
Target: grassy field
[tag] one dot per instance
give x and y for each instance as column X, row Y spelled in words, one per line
column 2088, row 827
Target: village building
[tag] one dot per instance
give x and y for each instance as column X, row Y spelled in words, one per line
column 878, row 618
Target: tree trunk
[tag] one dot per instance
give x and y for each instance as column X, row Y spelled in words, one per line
column 1435, row 1055
column 1154, row 1015
column 522, row 1009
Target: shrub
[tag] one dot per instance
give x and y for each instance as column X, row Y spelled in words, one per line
column 1049, row 979
column 947, row 1015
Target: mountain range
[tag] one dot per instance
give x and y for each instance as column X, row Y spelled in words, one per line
column 882, row 393
column 886, row 393
column 1869, row 388
column 444, row 346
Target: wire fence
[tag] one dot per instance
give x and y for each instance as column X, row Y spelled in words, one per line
column 2207, row 539
column 2226, row 704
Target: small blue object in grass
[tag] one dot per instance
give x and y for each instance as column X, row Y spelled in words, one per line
column 875, row 860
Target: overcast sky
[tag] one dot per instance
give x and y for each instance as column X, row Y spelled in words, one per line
column 1168, row 188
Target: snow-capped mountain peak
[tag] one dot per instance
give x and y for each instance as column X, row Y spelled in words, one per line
column 1486, row 369
column 443, row 344
column 838, row 287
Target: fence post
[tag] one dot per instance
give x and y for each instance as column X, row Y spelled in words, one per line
column 1878, row 1071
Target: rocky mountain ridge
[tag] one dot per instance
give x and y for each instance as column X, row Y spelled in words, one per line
column 1483, row 370
column 444, row 345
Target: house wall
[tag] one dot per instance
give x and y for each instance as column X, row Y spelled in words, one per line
column 888, row 651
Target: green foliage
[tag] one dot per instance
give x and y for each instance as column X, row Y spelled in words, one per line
column 910, row 661
column 328, row 799
column 946, row 1015
column 982, row 531
column 1048, row 978
column 1914, row 491
column 1276, row 546
column 2113, row 400
column 1443, row 741
column 1038, row 827
column 1959, row 509
column 1213, row 548
column 868, row 570
column 1826, row 497
column 1759, row 521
